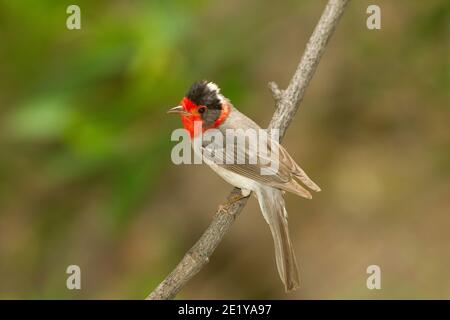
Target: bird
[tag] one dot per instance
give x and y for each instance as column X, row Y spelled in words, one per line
column 204, row 104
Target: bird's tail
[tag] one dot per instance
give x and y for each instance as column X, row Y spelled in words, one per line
column 273, row 209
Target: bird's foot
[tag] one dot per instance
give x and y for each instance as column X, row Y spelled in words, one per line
column 235, row 197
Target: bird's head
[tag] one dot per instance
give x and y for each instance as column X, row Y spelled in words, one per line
column 203, row 102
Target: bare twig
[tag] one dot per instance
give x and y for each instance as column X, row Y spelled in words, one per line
column 287, row 103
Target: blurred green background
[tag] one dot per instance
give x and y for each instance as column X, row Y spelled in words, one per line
column 85, row 170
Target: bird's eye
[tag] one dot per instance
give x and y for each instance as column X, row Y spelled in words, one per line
column 201, row 109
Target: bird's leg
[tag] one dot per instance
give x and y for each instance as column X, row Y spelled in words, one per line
column 235, row 197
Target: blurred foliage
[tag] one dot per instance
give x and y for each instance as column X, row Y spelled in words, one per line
column 85, row 172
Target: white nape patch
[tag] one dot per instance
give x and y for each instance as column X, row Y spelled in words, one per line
column 213, row 87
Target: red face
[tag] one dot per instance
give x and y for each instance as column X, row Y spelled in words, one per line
column 194, row 113
column 191, row 113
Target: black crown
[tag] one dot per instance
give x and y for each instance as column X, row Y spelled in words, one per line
column 201, row 94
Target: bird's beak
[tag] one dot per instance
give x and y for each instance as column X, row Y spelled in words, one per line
column 180, row 110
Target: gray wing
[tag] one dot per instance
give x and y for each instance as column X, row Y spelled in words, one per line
column 273, row 166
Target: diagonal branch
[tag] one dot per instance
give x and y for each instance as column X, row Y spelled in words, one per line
column 287, row 102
